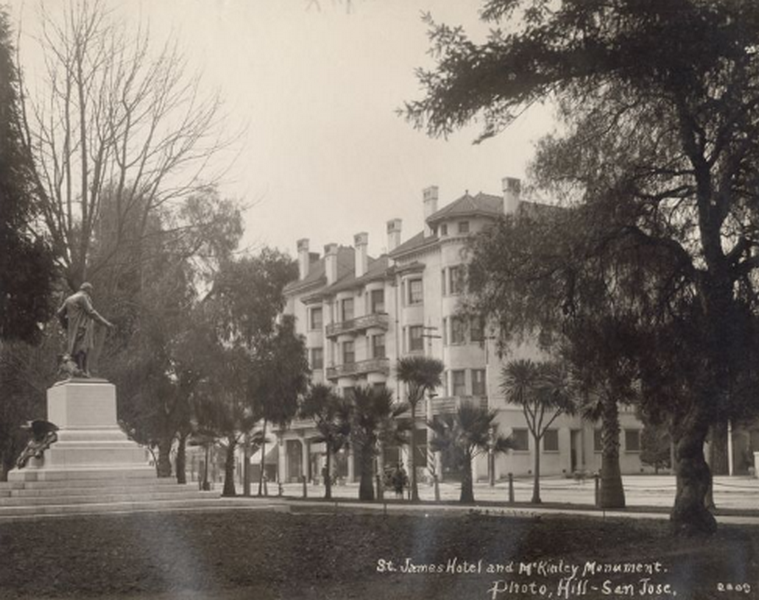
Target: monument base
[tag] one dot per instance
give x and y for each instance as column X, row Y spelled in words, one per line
column 90, row 444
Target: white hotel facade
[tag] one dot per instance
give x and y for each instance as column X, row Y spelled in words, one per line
column 360, row 314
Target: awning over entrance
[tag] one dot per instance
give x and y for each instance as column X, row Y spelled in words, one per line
column 271, row 457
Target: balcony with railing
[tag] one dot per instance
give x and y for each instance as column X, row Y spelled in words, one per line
column 361, row 367
column 379, row 320
column 448, row 405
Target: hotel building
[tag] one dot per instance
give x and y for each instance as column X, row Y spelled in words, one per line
column 360, row 314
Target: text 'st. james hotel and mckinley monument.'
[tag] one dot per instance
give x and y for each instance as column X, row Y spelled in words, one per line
column 360, row 314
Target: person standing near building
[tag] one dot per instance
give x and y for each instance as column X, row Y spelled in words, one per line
column 77, row 316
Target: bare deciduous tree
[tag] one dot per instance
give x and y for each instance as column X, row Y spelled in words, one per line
column 112, row 115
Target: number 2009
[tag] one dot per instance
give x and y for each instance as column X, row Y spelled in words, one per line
column 734, row 587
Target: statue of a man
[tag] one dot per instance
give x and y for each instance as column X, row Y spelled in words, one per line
column 77, row 316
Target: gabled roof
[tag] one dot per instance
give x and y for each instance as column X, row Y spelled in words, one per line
column 469, row 206
column 376, row 269
column 415, row 243
column 317, row 276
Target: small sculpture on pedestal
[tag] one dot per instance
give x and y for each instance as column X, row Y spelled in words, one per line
column 78, row 317
column 43, row 435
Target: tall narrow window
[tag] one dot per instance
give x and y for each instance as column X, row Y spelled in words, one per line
column 455, row 279
column 349, row 353
column 317, row 358
column 377, row 301
column 458, row 331
column 632, row 440
column 317, row 318
column 458, row 382
column 378, row 346
column 347, row 309
column 478, row 382
column 415, row 291
column 415, row 338
column 477, row 329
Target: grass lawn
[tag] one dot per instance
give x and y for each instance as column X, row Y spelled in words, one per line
column 313, row 553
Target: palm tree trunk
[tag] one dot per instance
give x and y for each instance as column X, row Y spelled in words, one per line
column 467, row 483
column 263, row 463
column 612, row 493
column 328, row 474
column 689, row 515
column 536, row 468
column 182, row 459
column 229, row 468
column 366, row 485
column 412, row 457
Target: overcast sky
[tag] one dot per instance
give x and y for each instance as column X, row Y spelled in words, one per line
column 325, row 155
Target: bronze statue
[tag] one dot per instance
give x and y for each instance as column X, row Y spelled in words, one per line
column 78, row 316
column 43, row 435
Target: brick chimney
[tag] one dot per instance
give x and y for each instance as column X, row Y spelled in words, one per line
column 512, row 188
column 393, row 234
column 360, row 243
column 304, row 259
column 330, row 263
column 430, row 207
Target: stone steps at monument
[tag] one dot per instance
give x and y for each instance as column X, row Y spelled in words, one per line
column 106, row 496
column 197, row 504
column 121, row 488
column 102, row 482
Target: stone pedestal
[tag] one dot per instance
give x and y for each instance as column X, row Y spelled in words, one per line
column 90, row 443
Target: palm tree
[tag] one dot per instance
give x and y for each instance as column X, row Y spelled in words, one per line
column 543, row 392
column 601, row 403
column 331, row 413
column 462, row 435
column 421, row 375
column 374, row 419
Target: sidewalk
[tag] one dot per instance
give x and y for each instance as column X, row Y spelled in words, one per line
column 647, row 496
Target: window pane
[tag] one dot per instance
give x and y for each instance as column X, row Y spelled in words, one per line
column 478, row 382
column 632, row 440
column 458, row 381
column 520, row 439
column 598, row 444
column 349, row 355
column 444, row 229
column 415, row 291
column 454, row 274
column 416, row 341
column 317, row 358
column 316, row 318
column 378, row 301
column 347, row 309
column 464, row 227
column 378, row 346
column 458, row 331
column 551, row 440
column 477, row 329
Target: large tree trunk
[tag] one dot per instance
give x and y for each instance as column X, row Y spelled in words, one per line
column 164, row 457
column 412, row 457
column 467, row 482
column 612, row 492
column 328, row 474
column 536, row 470
column 181, row 464
column 229, row 468
column 690, row 515
column 366, row 485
